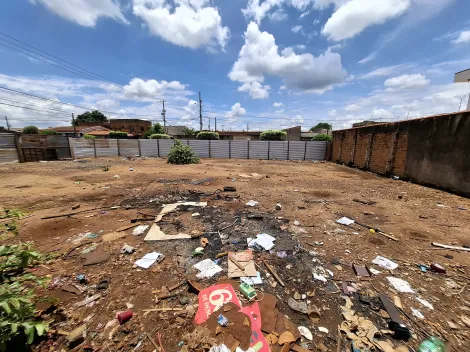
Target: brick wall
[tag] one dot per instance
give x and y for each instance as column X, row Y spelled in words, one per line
column 431, row 150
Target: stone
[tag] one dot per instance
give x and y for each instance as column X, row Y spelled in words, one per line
column 278, row 206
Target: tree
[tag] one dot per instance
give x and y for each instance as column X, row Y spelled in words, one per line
column 322, row 137
column 89, row 136
column 117, row 134
column 155, row 129
column 48, row 132
column 321, row 125
column 30, row 130
column 160, row 136
column 189, row 132
column 181, row 154
column 273, row 135
column 208, row 135
column 93, row 116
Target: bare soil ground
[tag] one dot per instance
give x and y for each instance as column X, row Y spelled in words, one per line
column 315, row 194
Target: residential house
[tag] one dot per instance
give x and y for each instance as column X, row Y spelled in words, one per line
column 134, row 127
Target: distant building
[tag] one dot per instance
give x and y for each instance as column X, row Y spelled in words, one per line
column 135, row 127
column 365, row 123
column 239, row 135
column 177, row 132
column 69, row 131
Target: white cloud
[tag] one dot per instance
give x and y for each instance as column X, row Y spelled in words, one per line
column 304, row 14
column 152, row 88
column 385, row 71
column 352, row 107
column 324, row 4
column 85, row 12
column 407, row 82
column 280, row 111
column 260, row 56
column 236, row 112
column 316, row 21
column 296, row 29
column 278, row 15
column 464, row 37
column 255, row 89
column 297, row 120
column 278, row 105
column 368, row 58
column 356, row 15
column 300, row 47
column 332, row 113
column 189, row 23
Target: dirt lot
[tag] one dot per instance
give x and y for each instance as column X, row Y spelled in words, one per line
column 314, row 194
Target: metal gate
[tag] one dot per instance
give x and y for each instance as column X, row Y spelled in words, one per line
column 8, row 151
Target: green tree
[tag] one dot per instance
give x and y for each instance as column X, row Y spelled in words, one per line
column 181, row 154
column 30, row 130
column 321, row 125
column 189, row 132
column 117, row 134
column 160, row 136
column 93, row 116
column 158, row 129
column 322, row 137
column 208, row 135
column 48, row 132
column 273, row 135
column 89, row 136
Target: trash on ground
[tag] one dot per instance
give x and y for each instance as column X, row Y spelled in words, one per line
column 127, row 249
column 252, row 280
column 124, row 316
column 417, row 313
column 207, row 268
column 148, row 260
column 319, row 273
column 400, row 285
column 300, row 307
column 361, row 270
column 323, row 329
column 247, row 291
column 345, row 221
column 262, row 240
column 252, row 203
column 241, row 264
column 438, row 268
column 139, row 230
column 425, row 303
column 278, row 206
column 222, row 320
column 385, row 263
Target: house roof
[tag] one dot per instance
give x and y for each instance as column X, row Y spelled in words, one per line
column 103, row 133
column 239, row 133
column 81, row 129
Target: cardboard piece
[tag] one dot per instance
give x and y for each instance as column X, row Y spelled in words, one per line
column 245, row 259
column 212, row 299
column 267, row 307
column 113, row 236
column 96, row 257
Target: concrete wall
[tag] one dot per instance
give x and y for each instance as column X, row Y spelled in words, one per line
column 432, row 151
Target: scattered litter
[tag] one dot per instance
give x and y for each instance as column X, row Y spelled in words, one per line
column 81, row 278
column 425, row 303
column 252, row 280
column 203, row 181
column 361, row 270
column 199, row 251
column 385, row 263
column 222, row 320
column 300, row 307
column 339, row 231
column 278, row 206
column 297, row 223
column 305, row 332
column 241, row 264
column 88, row 300
column 127, row 249
column 139, row 230
column 322, row 329
column 423, row 268
column 195, row 215
column 263, row 241
column 400, row 285
column 124, row 316
column 319, row 273
column 252, row 203
column 116, row 176
column 438, row 268
column 282, row 254
column 148, row 260
column 207, row 269
column 229, row 189
column 417, row 313
column 374, row 271
column 345, row 221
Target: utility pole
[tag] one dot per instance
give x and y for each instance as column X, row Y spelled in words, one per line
column 74, row 127
column 209, row 122
column 164, row 116
column 215, row 119
column 200, row 112
column 8, row 124
column 247, row 127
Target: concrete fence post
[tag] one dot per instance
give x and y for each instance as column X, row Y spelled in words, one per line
column 230, row 149
column 94, row 146
column 393, row 153
column 340, row 159
column 269, row 148
column 288, row 150
column 138, row 145
column 158, row 148
column 248, row 149
column 305, row 151
column 18, row 148
column 119, row 147
column 72, row 153
column 209, row 148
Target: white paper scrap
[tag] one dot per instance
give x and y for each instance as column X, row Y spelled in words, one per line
column 139, row 230
column 385, row 263
column 253, row 280
column 148, row 260
column 262, row 240
column 425, row 303
column 345, row 221
column 374, row 271
column 417, row 313
column 252, row 203
column 322, row 329
column 207, row 269
column 400, row 285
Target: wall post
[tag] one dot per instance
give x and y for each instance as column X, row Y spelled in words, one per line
column 288, row 150
column 158, row 148
column 119, row 148
column 369, row 150
column 269, row 148
column 138, row 144
column 305, row 151
column 72, row 153
column 229, row 149
column 353, row 151
column 393, row 153
column 248, row 149
column 341, row 147
column 209, row 148
column 18, row 148
column 94, row 146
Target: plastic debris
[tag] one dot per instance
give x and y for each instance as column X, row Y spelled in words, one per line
column 127, row 249
column 262, row 240
column 432, row 344
column 425, row 303
column 124, row 316
column 148, row 260
column 305, row 332
column 207, row 269
column 322, row 329
column 252, row 280
column 417, row 313
column 374, row 271
column 400, row 285
column 438, row 268
column 345, row 221
column 222, row 320
column 297, row 223
column 139, row 230
column 252, row 203
column 385, row 263
column 319, row 273
column 195, row 215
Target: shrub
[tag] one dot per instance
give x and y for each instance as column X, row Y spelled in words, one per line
column 89, row 136
column 160, row 136
column 181, row 154
column 30, row 130
column 322, row 137
column 208, row 135
column 48, row 132
column 117, row 134
column 273, row 135
column 321, row 125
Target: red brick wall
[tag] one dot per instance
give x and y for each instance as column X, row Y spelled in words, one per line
column 348, row 145
column 381, row 149
column 361, row 149
column 400, row 155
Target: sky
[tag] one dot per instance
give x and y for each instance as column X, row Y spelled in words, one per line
column 258, row 64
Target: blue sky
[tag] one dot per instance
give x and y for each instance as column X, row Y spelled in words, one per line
column 265, row 63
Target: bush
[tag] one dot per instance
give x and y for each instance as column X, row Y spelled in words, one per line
column 117, row 134
column 208, row 135
column 322, row 138
column 89, row 136
column 30, row 130
column 181, row 154
column 160, row 136
column 273, row 135
column 48, row 132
